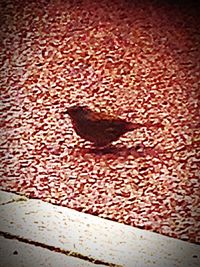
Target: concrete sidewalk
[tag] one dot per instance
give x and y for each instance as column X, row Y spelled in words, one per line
column 35, row 233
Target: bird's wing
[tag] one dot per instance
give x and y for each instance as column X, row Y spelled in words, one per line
column 96, row 116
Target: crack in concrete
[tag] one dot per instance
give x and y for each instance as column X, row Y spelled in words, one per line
column 14, row 200
column 57, row 249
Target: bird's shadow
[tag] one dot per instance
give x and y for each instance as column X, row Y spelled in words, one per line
column 122, row 150
column 109, row 150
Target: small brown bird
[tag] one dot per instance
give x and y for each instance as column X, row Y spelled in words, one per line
column 98, row 127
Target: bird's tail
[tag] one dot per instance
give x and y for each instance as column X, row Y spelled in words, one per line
column 132, row 126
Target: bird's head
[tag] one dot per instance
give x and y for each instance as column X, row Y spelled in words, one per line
column 75, row 111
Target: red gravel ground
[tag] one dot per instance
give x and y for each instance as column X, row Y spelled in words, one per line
column 139, row 60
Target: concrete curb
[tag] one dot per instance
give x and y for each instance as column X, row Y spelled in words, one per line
column 65, row 237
